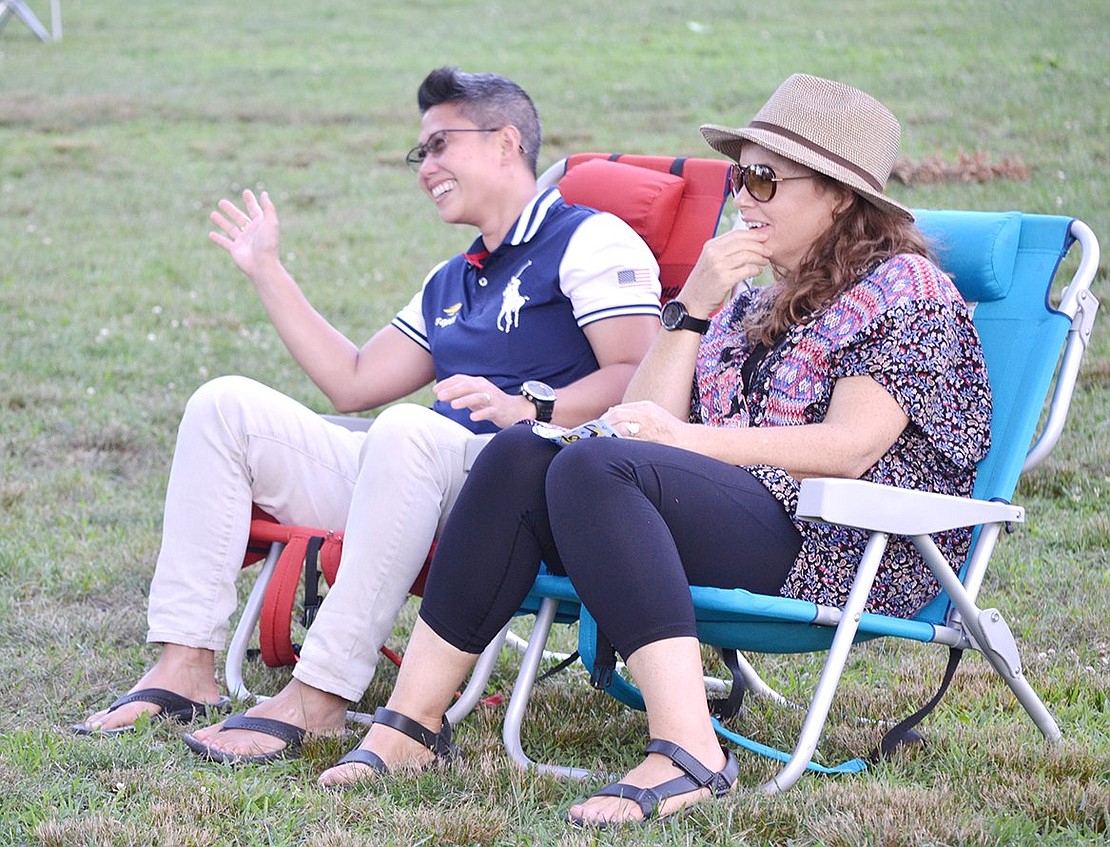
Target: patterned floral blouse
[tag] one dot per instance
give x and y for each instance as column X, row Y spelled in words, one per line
column 906, row 326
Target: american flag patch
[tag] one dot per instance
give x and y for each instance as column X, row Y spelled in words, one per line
column 639, row 276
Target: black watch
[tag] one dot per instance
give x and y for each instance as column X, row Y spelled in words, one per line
column 675, row 316
column 543, row 396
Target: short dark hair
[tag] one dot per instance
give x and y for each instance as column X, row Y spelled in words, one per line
column 488, row 100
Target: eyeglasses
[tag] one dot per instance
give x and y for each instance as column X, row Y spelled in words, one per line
column 760, row 180
column 435, row 145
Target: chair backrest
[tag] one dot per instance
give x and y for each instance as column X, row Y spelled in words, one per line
column 1004, row 265
column 673, row 203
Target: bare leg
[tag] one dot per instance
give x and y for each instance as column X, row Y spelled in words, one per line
column 188, row 671
column 430, row 674
column 669, row 675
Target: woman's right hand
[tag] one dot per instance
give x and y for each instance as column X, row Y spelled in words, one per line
column 646, row 420
column 251, row 237
column 725, row 261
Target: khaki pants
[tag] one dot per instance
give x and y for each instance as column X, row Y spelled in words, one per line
column 389, row 489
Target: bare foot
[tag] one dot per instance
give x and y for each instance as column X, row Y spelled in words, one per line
column 655, row 770
column 187, row 671
column 318, row 712
column 397, row 750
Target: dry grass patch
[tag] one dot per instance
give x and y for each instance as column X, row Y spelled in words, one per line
column 58, row 114
column 893, row 816
column 968, row 167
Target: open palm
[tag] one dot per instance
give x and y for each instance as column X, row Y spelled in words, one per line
column 251, row 237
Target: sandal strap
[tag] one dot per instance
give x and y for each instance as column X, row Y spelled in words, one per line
column 359, row 756
column 291, row 734
column 648, row 799
column 438, row 742
column 168, row 701
column 173, row 706
column 718, row 782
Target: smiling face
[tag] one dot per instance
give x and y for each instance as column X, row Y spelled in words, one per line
column 458, row 175
column 799, row 213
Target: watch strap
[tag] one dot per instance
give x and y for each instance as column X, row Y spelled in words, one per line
column 698, row 325
column 684, row 320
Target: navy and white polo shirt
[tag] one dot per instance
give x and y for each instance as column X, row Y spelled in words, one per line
column 517, row 313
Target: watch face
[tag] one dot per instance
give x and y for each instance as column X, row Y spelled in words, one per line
column 539, row 391
column 676, row 316
column 673, row 313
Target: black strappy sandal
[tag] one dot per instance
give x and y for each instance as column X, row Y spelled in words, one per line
column 438, row 742
column 695, row 777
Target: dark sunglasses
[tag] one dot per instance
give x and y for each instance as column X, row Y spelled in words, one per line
column 760, row 180
column 435, row 145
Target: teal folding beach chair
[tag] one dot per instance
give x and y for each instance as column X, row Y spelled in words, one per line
column 1033, row 339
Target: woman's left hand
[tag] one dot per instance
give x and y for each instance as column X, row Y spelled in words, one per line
column 645, row 421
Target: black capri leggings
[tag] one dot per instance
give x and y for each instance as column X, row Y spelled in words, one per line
column 633, row 524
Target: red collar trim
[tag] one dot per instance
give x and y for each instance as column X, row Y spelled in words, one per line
column 476, row 259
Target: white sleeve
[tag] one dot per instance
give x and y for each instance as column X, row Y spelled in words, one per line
column 608, row 271
column 410, row 320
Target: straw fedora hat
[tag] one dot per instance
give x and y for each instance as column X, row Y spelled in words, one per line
column 827, row 126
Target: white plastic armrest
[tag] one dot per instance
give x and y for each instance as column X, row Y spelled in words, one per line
column 898, row 511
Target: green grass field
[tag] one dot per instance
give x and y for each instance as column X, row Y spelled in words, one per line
column 117, row 141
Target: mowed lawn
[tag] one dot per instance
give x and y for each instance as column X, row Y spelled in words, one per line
column 116, row 142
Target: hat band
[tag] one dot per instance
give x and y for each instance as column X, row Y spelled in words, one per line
column 821, row 151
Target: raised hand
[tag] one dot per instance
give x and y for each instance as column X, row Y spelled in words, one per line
column 725, row 260
column 251, row 237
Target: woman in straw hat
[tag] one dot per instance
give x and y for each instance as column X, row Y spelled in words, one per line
column 859, row 361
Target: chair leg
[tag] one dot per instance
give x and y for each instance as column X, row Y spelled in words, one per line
column 21, row 10
column 248, row 622
column 520, row 645
column 522, row 692
column 827, row 684
column 992, row 637
column 56, row 19
column 755, row 684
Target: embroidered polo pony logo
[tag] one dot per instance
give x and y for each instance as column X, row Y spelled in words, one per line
column 512, row 301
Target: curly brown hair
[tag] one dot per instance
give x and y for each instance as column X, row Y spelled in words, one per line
column 861, row 235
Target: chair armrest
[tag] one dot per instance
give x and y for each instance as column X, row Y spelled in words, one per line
column 351, row 422
column 897, row 511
